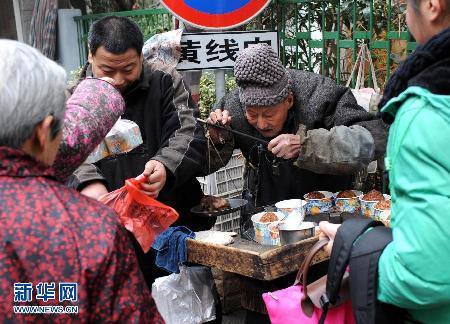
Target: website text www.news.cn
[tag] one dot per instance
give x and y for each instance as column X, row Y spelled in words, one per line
column 45, row 309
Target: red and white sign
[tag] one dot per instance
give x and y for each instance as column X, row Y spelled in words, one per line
column 215, row 14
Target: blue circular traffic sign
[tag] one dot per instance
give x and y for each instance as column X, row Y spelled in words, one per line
column 215, row 14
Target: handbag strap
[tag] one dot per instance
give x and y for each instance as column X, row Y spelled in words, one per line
column 302, row 274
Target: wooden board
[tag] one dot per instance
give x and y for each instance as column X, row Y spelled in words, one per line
column 251, row 259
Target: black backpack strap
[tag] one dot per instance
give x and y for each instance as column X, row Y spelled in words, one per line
column 346, row 235
column 364, row 274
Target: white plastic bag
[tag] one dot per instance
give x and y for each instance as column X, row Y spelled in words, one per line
column 165, row 47
column 187, row 297
column 215, row 237
column 123, row 137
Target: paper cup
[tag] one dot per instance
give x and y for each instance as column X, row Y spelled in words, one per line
column 262, row 232
column 368, row 206
column 317, row 206
column 293, row 210
column 349, row 205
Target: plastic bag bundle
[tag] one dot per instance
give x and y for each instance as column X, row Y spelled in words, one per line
column 123, row 137
column 187, row 297
column 165, row 47
column 142, row 215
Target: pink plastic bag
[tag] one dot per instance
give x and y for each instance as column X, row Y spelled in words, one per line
column 142, row 215
column 284, row 307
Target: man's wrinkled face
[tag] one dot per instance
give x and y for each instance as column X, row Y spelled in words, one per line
column 124, row 68
column 269, row 120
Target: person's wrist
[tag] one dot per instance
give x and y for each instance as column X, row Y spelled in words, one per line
column 94, row 190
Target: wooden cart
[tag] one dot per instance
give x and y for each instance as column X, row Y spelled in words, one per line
column 260, row 268
column 251, row 259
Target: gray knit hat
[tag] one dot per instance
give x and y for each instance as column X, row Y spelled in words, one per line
column 261, row 77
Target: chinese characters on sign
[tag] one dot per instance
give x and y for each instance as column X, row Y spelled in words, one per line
column 219, row 50
column 45, row 291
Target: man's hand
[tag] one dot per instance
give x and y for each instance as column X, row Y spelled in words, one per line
column 221, row 117
column 156, row 175
column 286, row 146
column 94, row 190
column 328, row 230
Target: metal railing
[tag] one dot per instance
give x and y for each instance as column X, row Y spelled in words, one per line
column 316, row 35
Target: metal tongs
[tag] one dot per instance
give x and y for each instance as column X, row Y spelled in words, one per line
column 229, row 129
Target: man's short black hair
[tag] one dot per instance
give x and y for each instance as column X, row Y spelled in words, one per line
column 116, row 34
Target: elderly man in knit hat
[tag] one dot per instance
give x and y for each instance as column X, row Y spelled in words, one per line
column 318, row 135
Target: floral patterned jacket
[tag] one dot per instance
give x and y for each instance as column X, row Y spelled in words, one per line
column 51, row 236
column 91, row 111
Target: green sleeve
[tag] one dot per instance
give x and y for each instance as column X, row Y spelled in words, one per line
column 414, row 269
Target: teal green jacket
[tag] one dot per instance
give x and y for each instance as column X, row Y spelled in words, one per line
column 414, row 269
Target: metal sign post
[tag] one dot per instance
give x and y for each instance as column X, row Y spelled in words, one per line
column 220, row 83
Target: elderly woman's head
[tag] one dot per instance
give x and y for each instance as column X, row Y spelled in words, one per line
column 426, row 18
column 32, row 101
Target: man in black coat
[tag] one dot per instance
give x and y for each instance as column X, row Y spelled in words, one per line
column 158, row 101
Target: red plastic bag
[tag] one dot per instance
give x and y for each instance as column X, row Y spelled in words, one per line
column 142, row 215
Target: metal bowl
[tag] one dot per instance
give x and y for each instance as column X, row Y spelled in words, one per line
column 291, row 234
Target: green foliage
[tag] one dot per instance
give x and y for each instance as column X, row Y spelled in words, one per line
column 208, row 91
column 151, row 25
column 207, row 94
column 230, row 83
column 75, row 74
column 316, row 35
column 302, row 25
